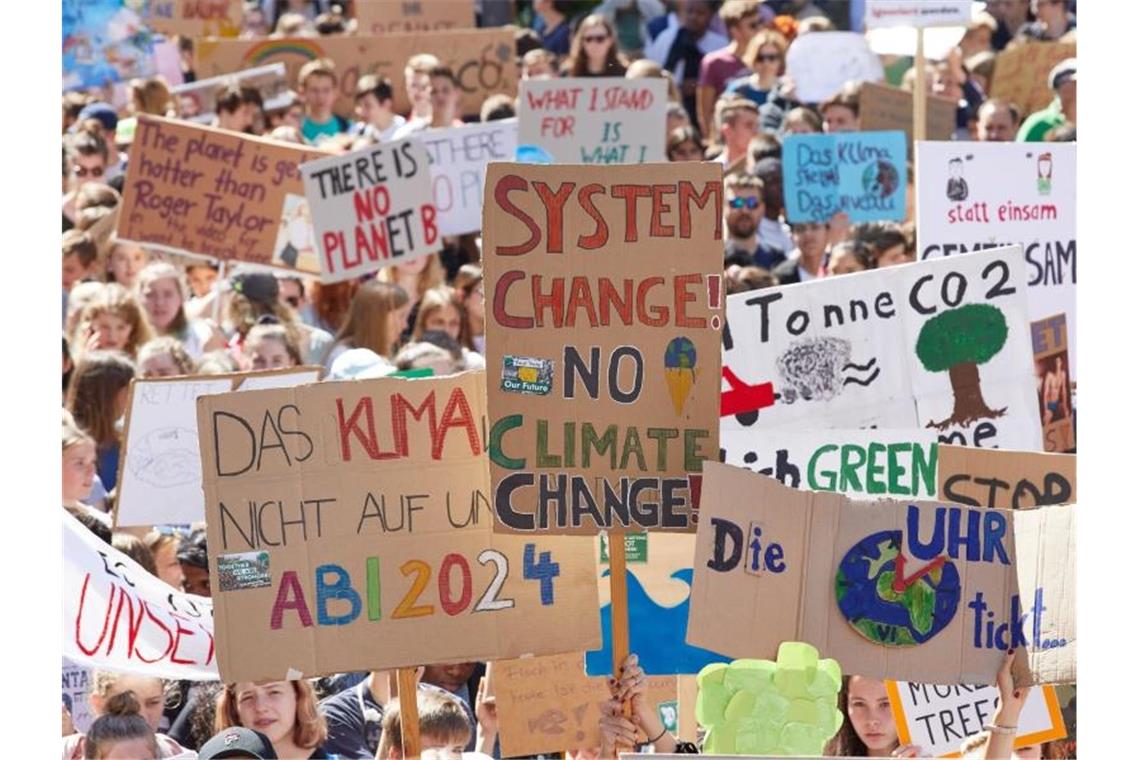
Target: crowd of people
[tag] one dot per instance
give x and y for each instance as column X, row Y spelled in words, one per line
column 129, row 312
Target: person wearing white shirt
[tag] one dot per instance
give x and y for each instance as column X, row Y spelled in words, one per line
column 680, row 48
column 378, row 121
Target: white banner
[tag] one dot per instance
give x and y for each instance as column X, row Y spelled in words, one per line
column 941, row 345
column 981, row 195
column 118, row 616
column 459, row 158
column 916, row 13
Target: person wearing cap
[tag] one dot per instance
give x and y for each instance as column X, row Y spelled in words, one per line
column 195, row 564
column 237, row 742
column 253, row 300
column 1053, row 21
column 1063, row 109
column 105, row 114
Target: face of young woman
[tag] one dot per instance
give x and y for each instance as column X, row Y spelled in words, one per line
column 269, row 354
column 596, row 42
column 270, row 708
column 78, row 471
column 111, row 332
column 167, row 566
column 128, row 749
column 160, row 365
column 847, row 264
column 397, row 320
column 869, row 709
column 148, row 691
column 476, row 305
column 162, row 300
column 202, row 279
column 446, row 319
column 126, row 263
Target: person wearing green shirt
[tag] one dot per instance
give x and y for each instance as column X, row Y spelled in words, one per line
column 1063, row 80
column 319, row 89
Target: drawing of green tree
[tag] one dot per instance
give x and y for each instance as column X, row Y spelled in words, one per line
column 958, row 341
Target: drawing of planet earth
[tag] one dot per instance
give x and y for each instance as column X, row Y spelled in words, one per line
column 880, row 178
column 680, row 354
column 864, row 590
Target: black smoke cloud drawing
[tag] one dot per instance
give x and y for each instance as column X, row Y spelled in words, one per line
column 820, row 368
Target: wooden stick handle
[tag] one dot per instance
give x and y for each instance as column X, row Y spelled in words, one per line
column 409, row 713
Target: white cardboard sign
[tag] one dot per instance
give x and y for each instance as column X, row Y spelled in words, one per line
column 822, row 62
column 459, row 157
column 916, row 14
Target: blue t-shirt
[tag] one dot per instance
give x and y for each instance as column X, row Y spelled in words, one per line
column 107, row 463
column 313, row 130
column 744, row 89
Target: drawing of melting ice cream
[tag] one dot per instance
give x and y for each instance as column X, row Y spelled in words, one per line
column 680, row 370
column 166, row 458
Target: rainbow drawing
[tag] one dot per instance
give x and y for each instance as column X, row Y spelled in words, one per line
column 271, row 50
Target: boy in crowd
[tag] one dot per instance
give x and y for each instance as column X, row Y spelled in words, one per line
column 743, row 211
column 738, row 120
column 318, row 89
column 236, row 107
column 444, row 98
column 378, row 122
column 79, row 254
column 742, row 21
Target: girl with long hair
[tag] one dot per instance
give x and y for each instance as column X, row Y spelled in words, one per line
column 97, row 400
column 162, row 290
column 376, row 317
column 868, row 728
column 593, row 51
column 285, row 711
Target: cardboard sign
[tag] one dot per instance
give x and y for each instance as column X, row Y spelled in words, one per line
column 209, row 192
column 482, row 59
column 1021, row 73
column 547, row 704
column 104, row 42
column 195, row 18
column 883, row 108
column 1054, row 389
column 862, row 174
column 858, row 463
column 1005, row 479
column 657, row 602
column 916, row 13
column 160, row 482
column 387, row 16
column 981, row 195
column 371, row 208
column 608, row 120
column 915, row 591
column 76, row 693
column 197, row 101
column 349, row 529
column 822, row 62
column 939, row 718
column 887, row 348
column 118, row 616
column 603, row 322
column 459, row 158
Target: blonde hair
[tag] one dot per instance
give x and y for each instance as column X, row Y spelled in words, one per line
column 643, row 68
column 763, row 39
column 421, row 63
column 150, row 96
column 277, row 333
column 168, row 346
column 309, row 727
column 435, row 300
column 72, row 433
column 161, row 270
column 117, row 301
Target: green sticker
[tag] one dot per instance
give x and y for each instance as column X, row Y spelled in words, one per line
column 667, row 711
column 524, row 374
column 242, row 571
column 636, row 548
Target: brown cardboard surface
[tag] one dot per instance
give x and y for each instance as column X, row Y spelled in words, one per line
column 748, row 614
column 387, row 16
column 195, row 18
column 482, row 59
column 1005, row 479
column 549, row 704
column 209, row 192
column 1021, row 73
column 309, row 483
column 883, row 108
column 638, row 431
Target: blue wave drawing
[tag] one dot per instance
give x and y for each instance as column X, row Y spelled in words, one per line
column 656, row 635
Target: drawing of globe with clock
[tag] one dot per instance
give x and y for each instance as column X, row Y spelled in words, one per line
column 891, row 601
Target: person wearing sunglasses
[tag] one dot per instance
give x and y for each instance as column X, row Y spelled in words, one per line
column 1053, row 21
column 765, row 58
column 593, row 53
column 742, row 22
column 743, row 210
column 87, row 162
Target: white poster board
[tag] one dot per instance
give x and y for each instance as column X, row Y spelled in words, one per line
column 197, row 101
column 859, row 463
column 459, row 157
column 605, row 120
column 822, row 62
column 371, row 208
column 846, row 352
column 76, row 693
column 118, row 616
column 977, row 195
column 916, row 14
column 160, row 476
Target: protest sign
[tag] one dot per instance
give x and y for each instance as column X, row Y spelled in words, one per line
column 371, row 208
column 547, row 704
column 883, row 108
column 160, row 480
column 861, row 174
column 996, row 194
column 1054, row 389
column 104, row 42
column 482, row 59
column 859, row 463
column 1021, row 73
column 939, row 717
column 76, row 693
column 602, row 402
column 1005, row 479
column 197, row 101
column 208, row 192
column 608, row 120
column 459, row 158
column 118, row 616
column 659, row 576
column 195, row 18
column 915, row 591
column 386, row 16
column 822, row 62
column 888, row 349
column 916, row 14
column 350, row 528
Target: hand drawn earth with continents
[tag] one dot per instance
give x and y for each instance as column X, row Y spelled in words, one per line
column 880, row 179
column 166, row 458
column 889, row 602
column 958, row 341
column 819, row 368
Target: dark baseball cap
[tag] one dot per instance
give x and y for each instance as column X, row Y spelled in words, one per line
column 104, row 112
column 260, row 287
column 237, row 742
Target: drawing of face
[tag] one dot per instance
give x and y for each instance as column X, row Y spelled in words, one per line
column 955, row 167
